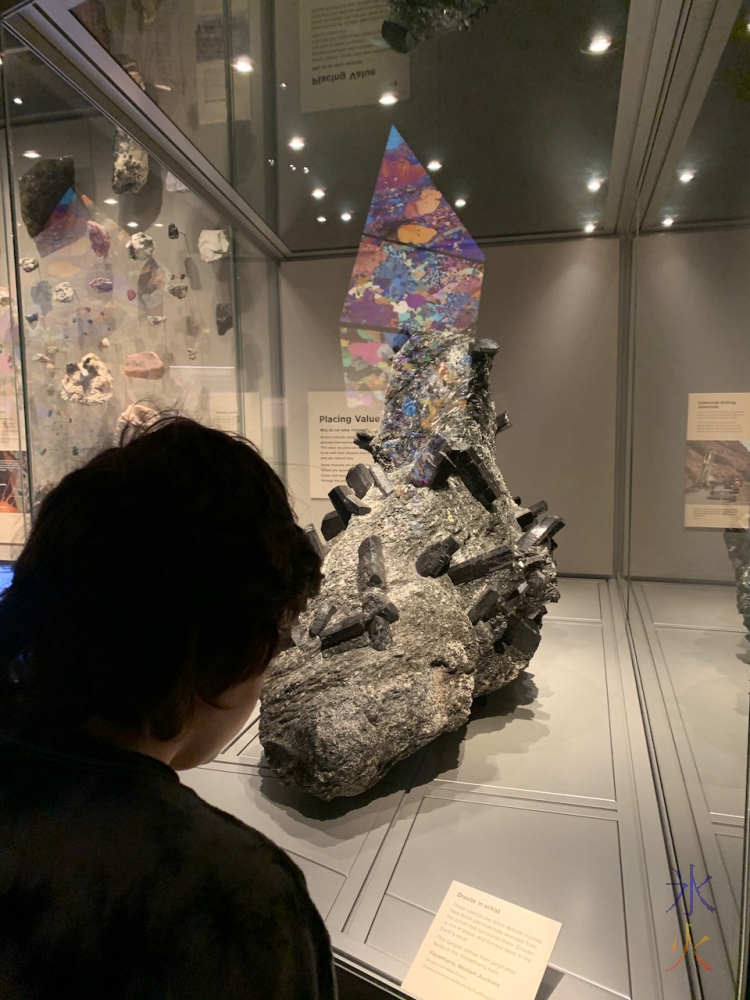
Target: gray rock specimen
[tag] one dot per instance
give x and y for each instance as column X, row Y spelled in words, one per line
column 224, row 318
column 29, row 264
column 429, row 598
column 144, row 364
column 99, row 238
column 63, row 292
column 212, row 244
column 172, row 231
column 102, row 284
column 178, row 287
column 129, row 165
column 88, row 382
column 140, row 246
column 41, row 188
column 737, row 541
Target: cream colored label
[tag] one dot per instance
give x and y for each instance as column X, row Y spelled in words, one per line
column 717, row 466
column 332, row 427
column 481, row 946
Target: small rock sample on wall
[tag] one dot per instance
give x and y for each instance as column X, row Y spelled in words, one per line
column 174, row 184
column 102, row 284
column 29, row 264
column 63, row 292
column 4, row 295
column 145, row 364
column 130, row 164
column 99, row 238
column 41, row 188
column 88, row 382
column 224, row 318
column 212, row 244
column 41, row 295
column 156, row 320
column 135, row 416
column 172, row 231
column 737, row 541
column 140, row 246
column 177, row 286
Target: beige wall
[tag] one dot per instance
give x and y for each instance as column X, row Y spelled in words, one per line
column 552, row 308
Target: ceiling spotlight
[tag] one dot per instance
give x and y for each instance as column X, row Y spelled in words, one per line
column 272, row 162
column 346, row 216
column 159, row 225
column 321, row 218
column 31, row 154
column 388, row 98
column 133, row 225
column 292, row 166
column 305, row 170
column 594, row 185
column 669, row 221
column 460, row 202
column 296, row 143
column 17, row 100
column 318, row 193
column 599, row 44
column 686, row 176
column 283, row 86
column 110, row 201
column 243, row 64
column 434, row 165
column 589, row 227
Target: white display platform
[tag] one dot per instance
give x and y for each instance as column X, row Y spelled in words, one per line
column 545, row 799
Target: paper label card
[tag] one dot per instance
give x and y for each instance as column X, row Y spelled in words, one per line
column 332, row 427
column 717, row 469
column 481, row 946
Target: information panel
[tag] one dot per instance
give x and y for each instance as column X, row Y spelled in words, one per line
column 717, row 469
column 332, row 426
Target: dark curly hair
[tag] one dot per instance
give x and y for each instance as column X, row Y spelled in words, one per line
column 161, row 572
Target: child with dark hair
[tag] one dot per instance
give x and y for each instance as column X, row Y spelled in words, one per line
column 157, row 584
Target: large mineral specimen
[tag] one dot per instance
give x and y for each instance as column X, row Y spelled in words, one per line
column 88, row 382
column 41, row 188
column 130, row 164
column 438, row 592
column 145, row 364
column 213, row 244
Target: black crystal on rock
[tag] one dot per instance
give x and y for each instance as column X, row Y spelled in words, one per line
column 224, row 317
column 475, row 476
column 363, row 440
column 483, row 348
column 346, row 503
column 484, row 607
column 314, row 539
column 380, row 633
column 540, row 532
column 371, row 563
column 523, row 634
column 332, row 525
column 381, row 480
column 358, row 642
column 321, row 618
column 527, row 518
column 172, row 231
column 502, row 422
column 436, row 559
column 41, row 188
column 359, row 479
column 481, row 565
column 398, row 37
column 376, row 603
column 342, row 630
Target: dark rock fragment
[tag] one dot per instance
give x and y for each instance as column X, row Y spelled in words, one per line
column 502, row 422
column 481, row 565
column 377, row 604
column 358, row 642
column 332, row 525
column 342, row 630
column 540, row 532
column 483, row 348
column 314, row 539
column 371, row 563
column 398, row 37
column 363, row 440
column 527, row 518
column 224, row 317
column 172, row 231
column 523, row 634
column 41, row 188
column 346, row 503
column 359, row 479
column 484, row 607
column 514, row 597
column 475, row 476
column 435, row 559
column 380, row 633
column 322, row 616
column 381, row 480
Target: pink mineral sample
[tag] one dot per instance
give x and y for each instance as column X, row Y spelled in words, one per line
column 146, row 364
column 99, row 238
column 131, row 294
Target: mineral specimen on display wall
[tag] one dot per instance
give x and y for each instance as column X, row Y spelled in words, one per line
column 737, row 541
column 4, row 295
column 145, row 364
column 130, row 164
column 88, row 382
column 135, row 416
column 140, row 246
column 131, row 293
column 172, row 231
column 156, row 320
column 224, row 318
column 99, row 238
column 174, row 184
column 102, row 284
column 42, row 188
column 63, row 292
column 29, row 264
column 177, row 286
column 212, row 244
column 433, row 594
column 41, row 295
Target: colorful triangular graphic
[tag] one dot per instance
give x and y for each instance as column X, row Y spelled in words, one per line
column 418, row 269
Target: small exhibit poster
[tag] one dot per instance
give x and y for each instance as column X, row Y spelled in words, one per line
column 481, row 946
column 717, row 469
column 344, row 60
column 332, row 425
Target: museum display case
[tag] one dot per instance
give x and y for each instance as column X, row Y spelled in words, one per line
column 460, row 304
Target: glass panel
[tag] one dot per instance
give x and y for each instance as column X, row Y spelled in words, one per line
column 202, row 63
column 484, row 103
column 129, row 285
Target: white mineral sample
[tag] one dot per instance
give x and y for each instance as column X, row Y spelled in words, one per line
column 130, row 164
column 89, row 382
column 135, row 416
column 63, row 292
column 29, row 264
column 140, row 246
column 104, row 342
column 4, row 295
column 156, row 320
column 173, row 183
column 212, row 244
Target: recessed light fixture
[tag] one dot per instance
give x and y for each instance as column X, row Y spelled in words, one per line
column 305, row 170
column 243, row 64
column 321, row 218
column 686, row 176
column 318, row 193
column 589, row 227
column 272, row 162
column 594, row 185
column 600, row 44
column 346, row 216
column 292, row 166
column 388, row 98
column 159, row 225
column 17, row 100
column 668, row 221
column 31, row 154
column 283, row 86
column 133, row 225
column 434, row 165
column 296, row 143
column 110, row 201
column 460, row 202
